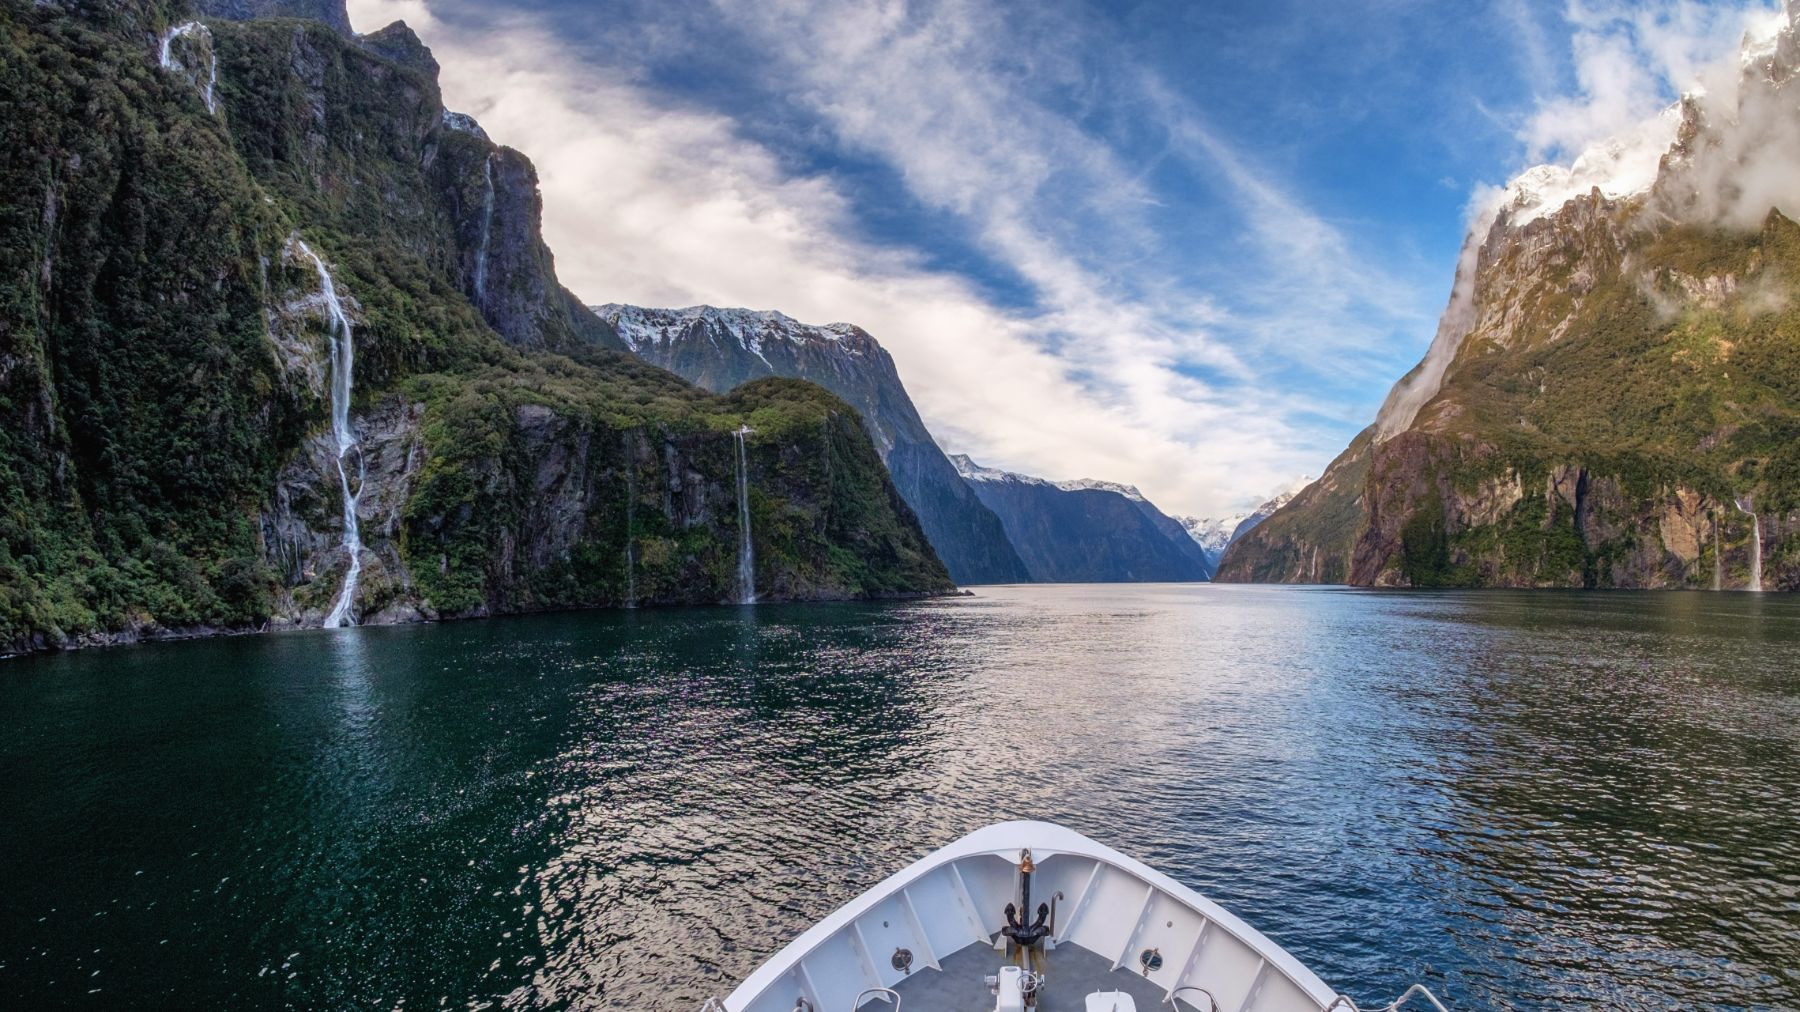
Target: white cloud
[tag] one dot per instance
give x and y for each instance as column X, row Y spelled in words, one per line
column 654, row 203
column 1633, row 59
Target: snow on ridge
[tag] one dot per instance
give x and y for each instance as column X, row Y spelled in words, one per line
column 1623, row 165
column 967, row 467
column 1095, row 485
column 753, row 329
column 1212, row 533
column 1627, row 163
column 1215, row 533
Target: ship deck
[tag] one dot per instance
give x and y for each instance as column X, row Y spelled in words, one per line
column 1071, row 974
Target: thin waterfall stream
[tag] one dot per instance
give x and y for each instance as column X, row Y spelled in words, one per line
column 487, row 229
column 171, row 62
column 746, row 569
column 1756, row 550
column 343, row 361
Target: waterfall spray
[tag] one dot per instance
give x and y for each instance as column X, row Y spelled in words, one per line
column 746, row 571
column 169, row 61
column 1755, row 543
column 487, row 229
column 343, row 353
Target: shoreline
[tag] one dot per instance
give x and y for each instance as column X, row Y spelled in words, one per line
column 151, row 634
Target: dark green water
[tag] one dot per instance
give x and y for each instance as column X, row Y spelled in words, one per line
column 1525, row 800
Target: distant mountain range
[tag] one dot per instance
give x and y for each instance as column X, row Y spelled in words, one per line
column 1086, row 531
column 718, row 349
column 987, row 526
column 1215, row 534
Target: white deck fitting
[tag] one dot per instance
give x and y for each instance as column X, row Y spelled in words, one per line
column 1111, row 906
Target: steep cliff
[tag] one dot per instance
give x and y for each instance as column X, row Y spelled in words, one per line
column 1086, row 531
column 721, row 348
column 1614, row 396
column 251, row 271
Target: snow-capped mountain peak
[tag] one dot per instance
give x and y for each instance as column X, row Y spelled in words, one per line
column 1215, row 534
column 1212, row 533
column 966, row 466
column 754, row 330
column 975, row 472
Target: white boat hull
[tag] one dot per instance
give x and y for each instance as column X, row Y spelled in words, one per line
column 1108, row 905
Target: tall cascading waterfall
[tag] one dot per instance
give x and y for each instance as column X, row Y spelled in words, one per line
column 746, row 571
column 1755, row 543
column 487, row 229
column 343, row 362
column 169, row 61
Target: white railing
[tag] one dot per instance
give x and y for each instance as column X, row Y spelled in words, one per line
column 1212, row 1004
column 1343, row 1001
column 802, row 1005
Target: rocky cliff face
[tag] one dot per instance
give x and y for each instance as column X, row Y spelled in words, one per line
column 722, row 348
column 167, row 343
column 1614, row 399
column 1086, row 531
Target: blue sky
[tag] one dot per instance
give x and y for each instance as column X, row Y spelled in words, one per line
column 1184, row 245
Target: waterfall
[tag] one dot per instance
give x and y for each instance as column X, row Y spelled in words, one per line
column 487, row 229
column 1755, row 543
column 189, row 30
column 746, row 571
column 343, row 353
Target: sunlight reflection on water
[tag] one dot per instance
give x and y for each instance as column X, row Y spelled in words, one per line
column 1522, row 799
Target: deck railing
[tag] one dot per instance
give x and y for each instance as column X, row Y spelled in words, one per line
column 1344, row 1001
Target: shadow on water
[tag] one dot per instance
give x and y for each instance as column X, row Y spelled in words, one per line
column 1527, row 800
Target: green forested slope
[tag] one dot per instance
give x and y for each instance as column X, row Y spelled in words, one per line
column 164, row 358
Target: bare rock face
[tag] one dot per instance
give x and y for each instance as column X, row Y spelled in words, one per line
column 507, row 270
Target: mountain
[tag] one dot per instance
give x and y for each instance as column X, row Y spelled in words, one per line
column 722, row 348
column 1613, row 395
column 1215, row 535
column 281, row 345
column 1086, row 531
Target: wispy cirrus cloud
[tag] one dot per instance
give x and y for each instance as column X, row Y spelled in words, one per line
column 1123, row 358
